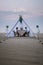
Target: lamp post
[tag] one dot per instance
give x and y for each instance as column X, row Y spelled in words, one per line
column 21, row 23
column 38, row 31
column 7, row 30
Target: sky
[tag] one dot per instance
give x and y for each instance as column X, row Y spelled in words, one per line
column 31, row 11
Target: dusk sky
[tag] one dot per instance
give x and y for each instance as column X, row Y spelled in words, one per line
column 31, row 10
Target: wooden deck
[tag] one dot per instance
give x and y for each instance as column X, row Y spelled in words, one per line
column 21, row 51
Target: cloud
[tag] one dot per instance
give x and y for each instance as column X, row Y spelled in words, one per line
column 21, row 5
column 10, row 9
column 10, row 15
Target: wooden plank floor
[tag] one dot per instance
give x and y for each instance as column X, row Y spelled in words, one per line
column 21, row 51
